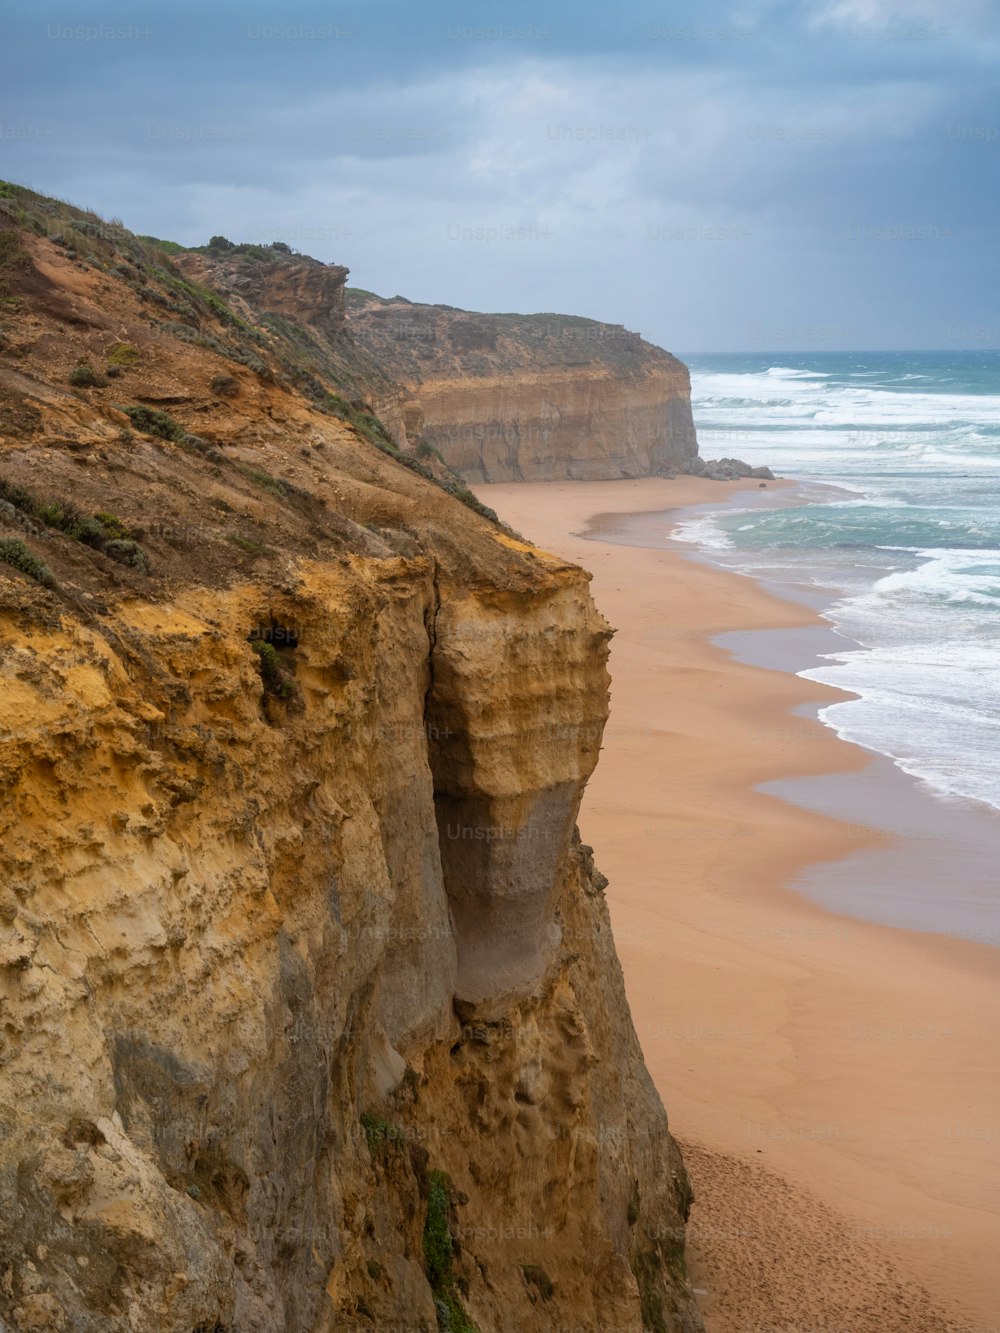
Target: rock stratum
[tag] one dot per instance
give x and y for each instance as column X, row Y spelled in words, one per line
column 531, row 397
column 312, row 1017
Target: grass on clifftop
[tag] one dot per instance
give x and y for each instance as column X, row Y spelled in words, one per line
column 176, row 306
column 144, row 264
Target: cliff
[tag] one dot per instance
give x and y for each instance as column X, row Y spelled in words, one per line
column 531, row 397
column 493, row 397
column 312, row 1017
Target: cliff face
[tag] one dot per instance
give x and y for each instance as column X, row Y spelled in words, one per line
column 312, row 1013
column 295, row 286
column 500, row 397
column 531, row 397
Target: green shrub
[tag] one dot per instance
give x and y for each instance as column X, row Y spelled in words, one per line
column 439, row 1254
column 68, row 519
column 102, row 531
column 113, row 525
column 127, row 553
column 272, row 671
column 188, row 334
column 225, row 385
column 424, row 449
column 14, row 553
column 83, row 528
column 379, row 1132
column 204, row 297
column 340, row 407
column 373, row 429
column 364, row 422
column 84, row 376
column 19, row 496
column 467, row 498
column 152, row 422
column 13, row 255
column 168, row 247
column 439, row 1247
column 122, row 355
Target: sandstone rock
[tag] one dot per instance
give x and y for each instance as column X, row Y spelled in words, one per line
column 265, row 1017
column 303, row 288
column 529, row 397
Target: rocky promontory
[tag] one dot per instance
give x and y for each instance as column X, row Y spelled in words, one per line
column 312, row 1017
column 481, row 397
column 530, row 397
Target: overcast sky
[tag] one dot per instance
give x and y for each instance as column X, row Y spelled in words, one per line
column 773, row 174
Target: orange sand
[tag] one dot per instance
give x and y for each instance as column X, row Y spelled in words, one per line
column 837, row 1082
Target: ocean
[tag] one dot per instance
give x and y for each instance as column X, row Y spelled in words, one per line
column 903, row 557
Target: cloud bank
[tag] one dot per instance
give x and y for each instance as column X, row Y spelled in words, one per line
column 760, row 175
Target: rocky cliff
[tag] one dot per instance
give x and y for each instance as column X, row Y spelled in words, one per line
column 312, row 1018
column 495, row 397
column 531, row 397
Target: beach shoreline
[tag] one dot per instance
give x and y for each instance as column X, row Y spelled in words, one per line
column 801, row 1054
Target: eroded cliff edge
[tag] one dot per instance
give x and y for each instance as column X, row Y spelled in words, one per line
column 531, row 397
column 499, row 397
column 312, row 1017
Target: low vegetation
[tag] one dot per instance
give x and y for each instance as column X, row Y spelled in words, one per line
column 123, row 355
column 153, row 422
column 127, row 553
column 13, row 255
column 225, row 385
column 246, row 544
column 278, row 681
column 84, row 376
column 424, row 449
column 380, row 1133
column 461, row 492
column 364, row 421
column 13, row 552
column 439, row 1255
column 145, row 264
column 103, row 531
column 284, row 490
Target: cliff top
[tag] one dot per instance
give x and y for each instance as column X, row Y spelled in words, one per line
column 430, row 341
column 156, row 430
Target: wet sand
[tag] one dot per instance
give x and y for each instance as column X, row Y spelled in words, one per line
column 836, row 1081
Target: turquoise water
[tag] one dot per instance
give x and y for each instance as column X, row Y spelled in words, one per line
column 908, row 550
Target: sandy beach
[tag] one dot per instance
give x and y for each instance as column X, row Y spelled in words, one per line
column 834, row 1083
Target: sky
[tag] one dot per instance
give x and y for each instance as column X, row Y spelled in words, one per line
column 765, row 175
